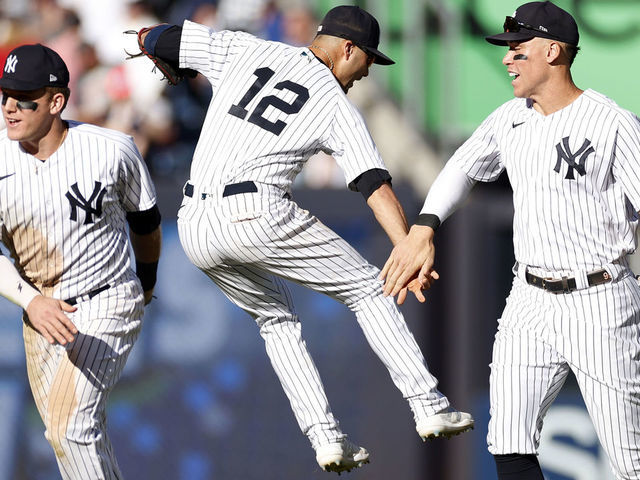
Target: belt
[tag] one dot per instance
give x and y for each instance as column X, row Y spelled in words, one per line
column 567, row 284
column 91, row 294
column 230, row 189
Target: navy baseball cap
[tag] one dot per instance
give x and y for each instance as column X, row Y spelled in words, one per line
column 357, row 25
column 31, row 67
column 538, row 19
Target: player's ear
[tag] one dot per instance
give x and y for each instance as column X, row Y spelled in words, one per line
column 554, row 51
column 348, row 48
column 56, row 103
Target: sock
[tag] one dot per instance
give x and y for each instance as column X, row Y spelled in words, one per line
column 518, row 467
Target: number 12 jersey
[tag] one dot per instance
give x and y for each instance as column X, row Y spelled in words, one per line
column 273, row 107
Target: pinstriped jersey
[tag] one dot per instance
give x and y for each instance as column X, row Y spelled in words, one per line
column 64, row 219
column 273, row 107
column 575, row 176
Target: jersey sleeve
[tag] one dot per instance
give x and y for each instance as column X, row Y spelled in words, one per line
column 449, row 190
column 207, row 51
column 350, row 142
column 479, row 156
column 136, row 189
column 626, row 164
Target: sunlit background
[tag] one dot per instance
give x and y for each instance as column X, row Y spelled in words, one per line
column 198, row 399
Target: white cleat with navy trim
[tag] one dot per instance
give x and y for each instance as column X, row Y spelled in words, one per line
column 341, row 456
column 444, row 424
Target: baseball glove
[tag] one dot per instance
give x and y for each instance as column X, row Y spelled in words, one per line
column 170, row 72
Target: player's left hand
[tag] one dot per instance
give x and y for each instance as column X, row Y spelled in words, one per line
column 416, row 286
column 170, row 72
column 413, row 256
column 48, row 316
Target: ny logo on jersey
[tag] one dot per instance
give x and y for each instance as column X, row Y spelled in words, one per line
column 10, row 65
column 78, row 201
column 564, row 153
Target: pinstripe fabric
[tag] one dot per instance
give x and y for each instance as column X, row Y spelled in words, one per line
column 246, row 243
column 560, row 223
column 71, row 387
column 576, row 191
column 64, row 223
column 593, row 332
column 62, row 256
column 274, row 106
column 231, row 149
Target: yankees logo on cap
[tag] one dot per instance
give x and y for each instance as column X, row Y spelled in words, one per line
column 10, row 66
column 357, row 25
column 30, row 67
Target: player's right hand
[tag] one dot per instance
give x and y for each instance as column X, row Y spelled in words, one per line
column 47, row 315
column 413, row 256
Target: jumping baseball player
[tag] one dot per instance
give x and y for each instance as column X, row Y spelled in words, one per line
column 274, row 106
column 573, row 160
column 67, row 192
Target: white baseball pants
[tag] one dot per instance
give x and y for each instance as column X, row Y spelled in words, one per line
column 247, row 242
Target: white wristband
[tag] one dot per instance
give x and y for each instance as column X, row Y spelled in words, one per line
column 13, row 286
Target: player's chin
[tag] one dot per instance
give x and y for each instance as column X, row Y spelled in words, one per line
column 13, row 135
column 14, row 132
column 519, row 92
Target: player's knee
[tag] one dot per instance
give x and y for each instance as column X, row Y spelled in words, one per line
column 522, row 434
column 275, row 322
column 64, row 438
column 361, row 297
column 626, row 468
column 56, row 436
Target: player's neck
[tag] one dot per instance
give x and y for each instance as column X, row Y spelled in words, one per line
column 329, row 61
column 556, row 97
column 42, row 148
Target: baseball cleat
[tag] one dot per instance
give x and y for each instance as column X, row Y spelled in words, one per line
column 341, row 456
column 445, row 424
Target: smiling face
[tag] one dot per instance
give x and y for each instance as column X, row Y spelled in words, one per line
column 24, row 123
column 528, row 63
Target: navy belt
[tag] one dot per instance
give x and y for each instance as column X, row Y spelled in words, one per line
column 567, row 284
column 91, row 294
column 230, row 189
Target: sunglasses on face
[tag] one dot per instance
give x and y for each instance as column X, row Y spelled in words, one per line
column 21, row 104
column 513, row 25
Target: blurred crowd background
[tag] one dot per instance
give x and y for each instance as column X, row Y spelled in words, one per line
column 198, row 399
column 128, row 96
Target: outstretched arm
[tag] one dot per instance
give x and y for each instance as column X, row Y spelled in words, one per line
column 161, row 44
column 415, row 254
column 390, row 215
column 388, row 212
column 46, row 315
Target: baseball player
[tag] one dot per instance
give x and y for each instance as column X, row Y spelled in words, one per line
column 573, row 160
column 274, row 106
column 67, row 192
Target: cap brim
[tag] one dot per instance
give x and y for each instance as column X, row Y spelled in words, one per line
column 503, row 39
column 19, row 85
column 380, row 58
